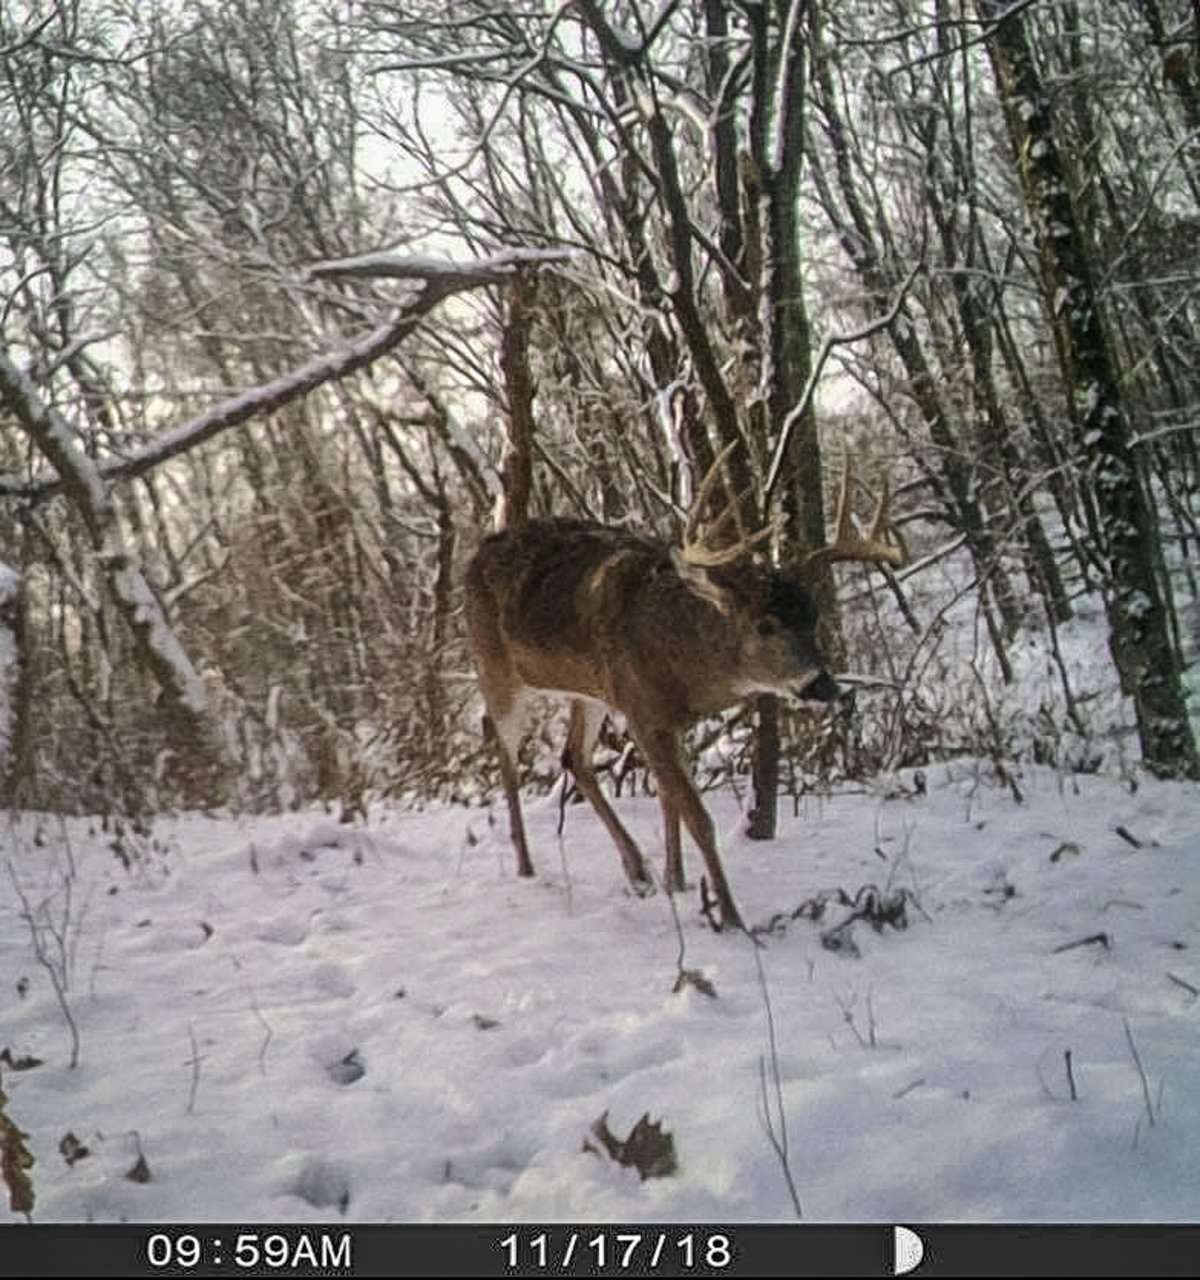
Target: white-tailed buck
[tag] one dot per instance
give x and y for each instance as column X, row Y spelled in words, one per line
column 664, row 635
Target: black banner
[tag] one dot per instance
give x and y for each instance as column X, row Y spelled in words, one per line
column 560, row 1250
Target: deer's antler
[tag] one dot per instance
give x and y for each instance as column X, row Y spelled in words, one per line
column 883, row 543
column 698, row 545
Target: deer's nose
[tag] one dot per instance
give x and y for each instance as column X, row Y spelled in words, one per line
column 821, row 688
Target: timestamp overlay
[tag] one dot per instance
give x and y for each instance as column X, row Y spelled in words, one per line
column 588, row 1250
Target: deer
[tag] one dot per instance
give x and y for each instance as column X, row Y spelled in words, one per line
column 665, row 635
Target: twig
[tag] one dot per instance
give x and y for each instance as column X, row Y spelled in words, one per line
column 776, row 1129
column 1137, row 1061
column 59, row 978
column 848, row 1019
column 1187, row 986
column 1070, row 1076
column 684, row 977
column 194, row 1062
column 258, row 1013
column 1101, row 938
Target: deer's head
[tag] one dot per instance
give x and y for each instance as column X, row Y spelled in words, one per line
column 772, row 610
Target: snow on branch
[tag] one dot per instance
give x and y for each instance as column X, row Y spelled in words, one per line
column 441, row 279
column 196, row 743
column 444, row 272
column 79, row 475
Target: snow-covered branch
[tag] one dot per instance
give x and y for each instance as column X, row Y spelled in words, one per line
column 157, row 645
column 441, row 278
column 444, row 273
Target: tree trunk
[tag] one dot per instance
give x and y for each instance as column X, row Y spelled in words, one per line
column 516, row 466
column 199, row 767
column 777, row 148
column 11, row 681
column 1139, row 627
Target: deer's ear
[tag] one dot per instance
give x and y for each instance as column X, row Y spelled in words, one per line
column 701, row 582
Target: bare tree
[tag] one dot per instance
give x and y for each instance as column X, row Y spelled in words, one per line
column 1128, row 531
column 665, row 143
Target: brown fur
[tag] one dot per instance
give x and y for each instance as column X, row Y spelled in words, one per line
column 608, row 617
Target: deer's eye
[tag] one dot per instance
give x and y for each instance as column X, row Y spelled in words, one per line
column 769, row 626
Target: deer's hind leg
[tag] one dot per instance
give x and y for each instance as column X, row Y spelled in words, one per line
column 504, row 724
column 586, row 719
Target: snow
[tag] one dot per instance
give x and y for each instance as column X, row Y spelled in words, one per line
column 1138, row 605
column 132, row 589
column 298, row 1020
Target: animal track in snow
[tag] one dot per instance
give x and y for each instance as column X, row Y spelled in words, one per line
column 324, row 1184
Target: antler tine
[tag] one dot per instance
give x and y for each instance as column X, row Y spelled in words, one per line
column 696, row 545
column 882, row 528
column 706, row 488
column 848, row 544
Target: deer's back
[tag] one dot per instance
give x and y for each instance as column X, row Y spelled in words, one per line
column 574, row 605
column 555, row 583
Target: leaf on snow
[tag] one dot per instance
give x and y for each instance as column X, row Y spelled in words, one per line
column 694, row 978
column 71, row 1149
column 649, row 1148
column 24, row 1063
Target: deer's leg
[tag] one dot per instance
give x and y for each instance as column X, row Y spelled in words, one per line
column 586, row 719
column 674, row 867
column 661, row 749
column 505, row 730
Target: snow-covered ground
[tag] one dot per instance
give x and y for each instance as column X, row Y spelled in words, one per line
column 289, row 1019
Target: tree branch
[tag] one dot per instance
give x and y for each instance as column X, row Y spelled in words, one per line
column 798, row 410
column 441, row 280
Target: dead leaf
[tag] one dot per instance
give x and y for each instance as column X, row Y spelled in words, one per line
column 72, row 1150
column 694, row 978
column 26, row 1062
column 648, row 1148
